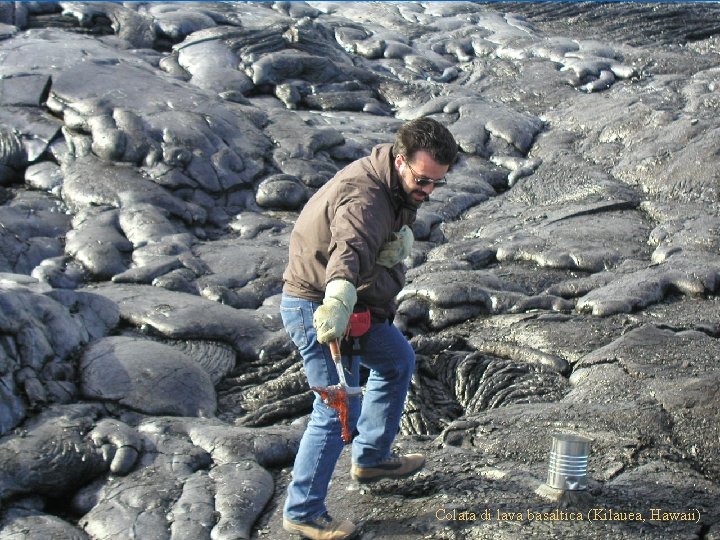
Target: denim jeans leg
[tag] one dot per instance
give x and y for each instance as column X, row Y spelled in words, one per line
column 391, row 361
column 321, row 442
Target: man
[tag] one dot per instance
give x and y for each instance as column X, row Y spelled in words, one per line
column 346, row 250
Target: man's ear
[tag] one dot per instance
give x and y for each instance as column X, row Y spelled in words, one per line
column 398, row 162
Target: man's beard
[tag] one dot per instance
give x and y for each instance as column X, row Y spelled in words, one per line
column 410, row 197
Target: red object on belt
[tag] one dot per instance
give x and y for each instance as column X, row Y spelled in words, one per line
column 359, row 323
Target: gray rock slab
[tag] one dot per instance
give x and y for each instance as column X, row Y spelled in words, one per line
column 13, row 156
column 118, row 186
column 237, row 263
column 213, row 66
column 145, row 223
column 612, row 434
column 38, row 526
column 34, row 128
column 7, row 30
column 147, row 273
column 249, row 224
column 138, row 503
column 28, row 90
column 97, row 315
column 97, row 243
column 197, row 465
column 127, row 23
column 216, row 359
column 454, row 296
column 193, row 514
column 32, row 227
column 225, row 443
column 42, row 329
column 51, row 456
column 176, row 22
column 146, row 376
column 283, row 192
column 45, row 176
column 58, row 51
column 573, row 249
column 183, row 316
column 690, row 492
column 242, row 490
column 634, row 290
column 360, row 131
column 687, row 358
column 301, row 139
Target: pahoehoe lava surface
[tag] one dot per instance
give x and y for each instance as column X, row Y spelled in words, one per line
column 153, row 158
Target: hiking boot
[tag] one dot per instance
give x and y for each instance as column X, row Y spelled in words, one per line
column 323, row 528
column 393, row 467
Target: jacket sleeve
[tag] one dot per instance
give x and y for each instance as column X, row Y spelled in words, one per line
column 357, row 231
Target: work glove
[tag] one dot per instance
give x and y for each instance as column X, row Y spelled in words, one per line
column 398, row 249
column 331, row 319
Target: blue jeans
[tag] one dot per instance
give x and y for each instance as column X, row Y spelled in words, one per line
column 375, row 418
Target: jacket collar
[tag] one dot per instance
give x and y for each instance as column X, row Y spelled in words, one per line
column 383, row 161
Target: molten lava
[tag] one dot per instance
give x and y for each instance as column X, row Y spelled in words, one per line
column 336, row 398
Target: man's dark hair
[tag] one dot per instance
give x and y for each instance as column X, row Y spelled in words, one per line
column 429, row 135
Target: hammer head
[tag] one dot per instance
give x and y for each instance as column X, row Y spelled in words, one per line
column 336, row 397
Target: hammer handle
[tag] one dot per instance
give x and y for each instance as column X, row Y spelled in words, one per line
column 337, row 358
column 335, row 351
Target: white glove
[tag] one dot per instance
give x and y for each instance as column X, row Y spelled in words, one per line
column 398, row 249
column 331, row 319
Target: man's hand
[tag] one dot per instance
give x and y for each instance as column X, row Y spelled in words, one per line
column 395, row 251
column 331, row 319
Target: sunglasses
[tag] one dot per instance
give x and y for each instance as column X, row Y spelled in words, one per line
column 423, row 181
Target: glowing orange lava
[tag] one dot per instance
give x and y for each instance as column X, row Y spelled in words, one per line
column 337, row 398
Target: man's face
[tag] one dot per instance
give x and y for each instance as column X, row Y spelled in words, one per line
column 420, row 176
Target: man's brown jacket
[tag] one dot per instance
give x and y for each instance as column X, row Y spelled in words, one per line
column 342, row 228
